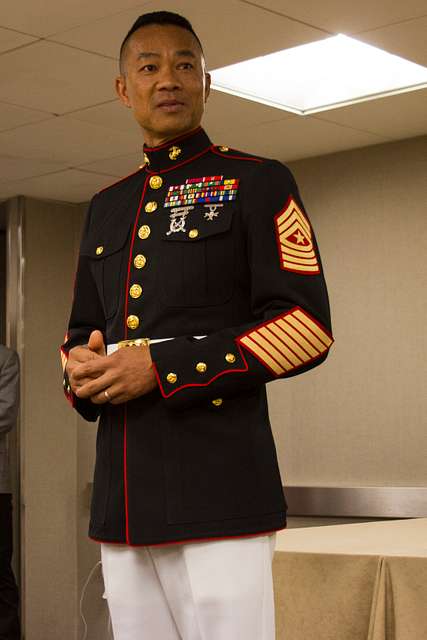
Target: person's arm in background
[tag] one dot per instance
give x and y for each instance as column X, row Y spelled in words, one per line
column 9, row 392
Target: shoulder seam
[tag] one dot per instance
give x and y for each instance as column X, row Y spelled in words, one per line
column 232, row 156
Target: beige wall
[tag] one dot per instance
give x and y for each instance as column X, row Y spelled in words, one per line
column 360, row 418
column 50, row 479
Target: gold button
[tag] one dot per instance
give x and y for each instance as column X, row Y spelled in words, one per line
column 193, row 233
column 99, row 250
column 132, row 322
column 230, row 357
column 146, row 159
column 201, row 367
column 156, row 182
column 172, row 378
column 224, row 149
column 139, row 261
column 174, row 152
column 217, row 402
column 150, row 207
column 144, row 231
column 135, row 291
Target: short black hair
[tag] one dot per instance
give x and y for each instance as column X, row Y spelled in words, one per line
column 158, row 17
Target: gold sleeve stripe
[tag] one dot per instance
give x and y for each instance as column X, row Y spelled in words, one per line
column 288, row 341
column 269, row 348
column 298, row 338
column 318, row 331
column 262, row 355
column 305, row 331
column 295, row 242
column 280, row 345
column 63, row 361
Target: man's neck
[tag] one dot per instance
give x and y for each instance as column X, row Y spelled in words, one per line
column 152, row 139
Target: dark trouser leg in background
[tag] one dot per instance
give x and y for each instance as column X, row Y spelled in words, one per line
column 9, row 597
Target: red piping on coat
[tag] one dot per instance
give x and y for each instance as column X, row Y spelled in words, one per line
column 200, row 384
column 227, row 155
column 191, row 540
column 130, row 256
column 180, row 164
column 126, row 335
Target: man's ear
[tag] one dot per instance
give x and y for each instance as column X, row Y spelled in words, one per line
column 121, row 90
column 207, row 85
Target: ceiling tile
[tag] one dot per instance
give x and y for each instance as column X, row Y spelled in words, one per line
column 50, row 77
column 400, row 116
column 344, row 17
column 69, row 186
column 67, row 141
column 298, row 137
column 11, row 39
column 408, row 39
column 44, row 17
column 113, row 115
column 117, row 167
column 12, row 116
column 225, row 112
column 12, row 168
column 215, row 24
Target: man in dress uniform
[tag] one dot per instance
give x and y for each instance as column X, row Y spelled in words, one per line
column 199, row 280
column 9, row 402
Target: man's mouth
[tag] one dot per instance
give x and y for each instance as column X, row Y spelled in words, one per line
column 170, row 105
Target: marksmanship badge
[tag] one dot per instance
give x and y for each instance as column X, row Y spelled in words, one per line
column 177, row 217
column 213, row 211
column 294, row 240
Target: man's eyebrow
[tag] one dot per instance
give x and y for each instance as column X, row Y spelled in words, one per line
column 186, row 52
column 151, row 54
column 147, row 54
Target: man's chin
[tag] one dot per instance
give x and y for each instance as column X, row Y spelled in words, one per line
column 167, row 130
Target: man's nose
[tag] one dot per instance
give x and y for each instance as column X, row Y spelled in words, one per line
column 168, row 79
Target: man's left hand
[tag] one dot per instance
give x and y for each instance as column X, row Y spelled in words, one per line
column 124, row 375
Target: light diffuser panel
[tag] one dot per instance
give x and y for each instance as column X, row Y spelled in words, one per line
column 322, row 75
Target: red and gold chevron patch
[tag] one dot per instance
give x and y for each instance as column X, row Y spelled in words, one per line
column 287, row 341
column 64, row 356
column 294, row 240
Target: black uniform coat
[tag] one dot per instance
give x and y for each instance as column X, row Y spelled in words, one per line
column 218, row 245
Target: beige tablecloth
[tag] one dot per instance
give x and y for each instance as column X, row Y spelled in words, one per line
column 352, row 582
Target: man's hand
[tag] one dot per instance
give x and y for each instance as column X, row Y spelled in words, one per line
column 124, row 375
column 78, row 356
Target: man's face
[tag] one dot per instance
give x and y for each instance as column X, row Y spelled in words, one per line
column 164, row 81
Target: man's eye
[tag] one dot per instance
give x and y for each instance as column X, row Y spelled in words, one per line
column 185, row 65
column 148, row 67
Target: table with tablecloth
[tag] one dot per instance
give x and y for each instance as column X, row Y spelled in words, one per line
column 365, row 581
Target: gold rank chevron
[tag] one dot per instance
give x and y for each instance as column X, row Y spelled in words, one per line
column 294, row 240
column 287, row 341
column 64, row 356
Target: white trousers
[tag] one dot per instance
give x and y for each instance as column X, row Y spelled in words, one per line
column 216, row 590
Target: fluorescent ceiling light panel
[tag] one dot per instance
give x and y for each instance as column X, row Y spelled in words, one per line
column 322, row 75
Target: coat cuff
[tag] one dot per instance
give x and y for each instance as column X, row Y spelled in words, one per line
column 191, row 371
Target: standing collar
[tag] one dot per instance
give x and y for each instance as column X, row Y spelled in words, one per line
column 176, row 151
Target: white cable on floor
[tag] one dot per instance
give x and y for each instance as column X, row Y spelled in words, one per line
column 82, row 597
